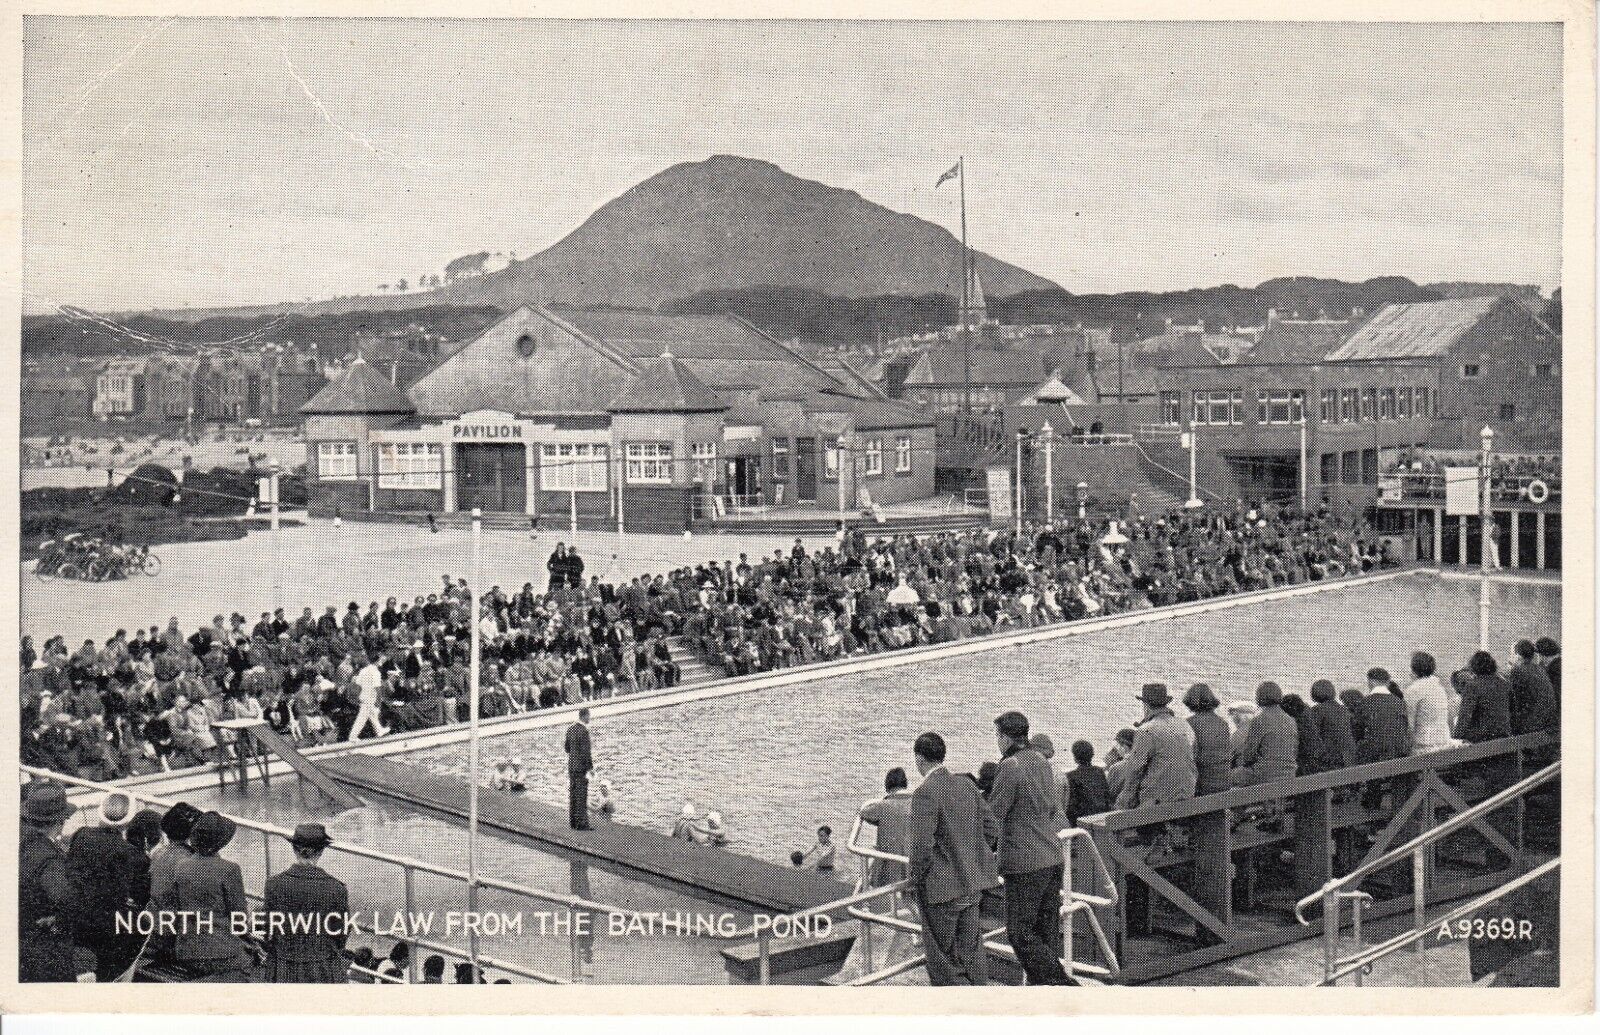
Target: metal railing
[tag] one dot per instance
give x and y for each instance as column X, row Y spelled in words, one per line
column 410, row 870
column 1073, row 902
column 1345, row 887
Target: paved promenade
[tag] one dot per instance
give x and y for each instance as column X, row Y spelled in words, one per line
column 317, row 564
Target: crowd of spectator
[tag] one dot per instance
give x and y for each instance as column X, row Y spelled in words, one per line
column 153, row 699
column 1509, row 475
column 995, row 833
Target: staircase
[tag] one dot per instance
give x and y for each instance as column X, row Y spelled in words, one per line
column 691, row 667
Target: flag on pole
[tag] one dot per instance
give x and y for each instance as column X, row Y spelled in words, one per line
column 955, row 170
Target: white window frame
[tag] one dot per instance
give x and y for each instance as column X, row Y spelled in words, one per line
column 874, row 452
column 336, row 461
column 1423, row 402
column 1172, row 408
column 902, row 454
column 410, row 465
column 1330, row 405
column 574, row 467
column 704, row 455
column 648, row 463
column 1388, row 403
column 830, row 462
column 1403, row 409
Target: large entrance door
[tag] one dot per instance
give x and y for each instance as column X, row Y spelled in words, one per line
column 805, row 469
column 744, row 478
column 491, row 478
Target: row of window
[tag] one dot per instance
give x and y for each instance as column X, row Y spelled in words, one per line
column 582, row 466
column 1287, row 406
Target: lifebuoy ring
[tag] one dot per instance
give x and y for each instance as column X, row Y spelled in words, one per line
column 1538, row 491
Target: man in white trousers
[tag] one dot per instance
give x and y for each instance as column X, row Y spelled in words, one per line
column 367, row 682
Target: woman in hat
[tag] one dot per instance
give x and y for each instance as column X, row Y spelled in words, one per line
column 209, row 890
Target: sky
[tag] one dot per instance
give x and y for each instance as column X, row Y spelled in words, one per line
column 203, row 162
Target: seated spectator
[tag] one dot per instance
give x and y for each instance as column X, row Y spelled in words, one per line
column 1427, row 706
column 1213, row 748
column 1386, row 729
column 1087, row 791
column 1271, row 745
column 1330, row 720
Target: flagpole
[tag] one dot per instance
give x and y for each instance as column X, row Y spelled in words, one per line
column 966, row 296
column 472, row 714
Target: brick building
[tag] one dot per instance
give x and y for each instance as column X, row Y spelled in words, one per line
column 575, row 413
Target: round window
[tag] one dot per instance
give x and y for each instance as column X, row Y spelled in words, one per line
column 526, row 344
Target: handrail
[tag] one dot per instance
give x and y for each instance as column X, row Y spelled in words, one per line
column 1364, row 958
column 1347, row 776
column 1428, row 837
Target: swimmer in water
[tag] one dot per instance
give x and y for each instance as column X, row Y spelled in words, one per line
column 712, row 830
column 603, row 802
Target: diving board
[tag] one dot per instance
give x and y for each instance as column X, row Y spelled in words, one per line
column 751, row 883
column 309, row 771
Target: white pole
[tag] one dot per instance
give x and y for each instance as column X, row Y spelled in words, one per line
column 1302, row 460
column 572, row 508
column 1485, row 518
column 839, row 465
column 277, row 544
column 1019, row 483
column 473, row 692
column 1049, row 473
column 1194, row 486
column 619, row 495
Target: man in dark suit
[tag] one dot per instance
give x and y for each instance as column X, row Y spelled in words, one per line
column 1024, row 804
column 580, row 763
column 1387, row 732
column 298, row 951
column 952, row 865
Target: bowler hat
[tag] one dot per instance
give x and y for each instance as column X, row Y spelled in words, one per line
column 1154, row 694
column 211, row 833
column 45, row 804
column 312, row 836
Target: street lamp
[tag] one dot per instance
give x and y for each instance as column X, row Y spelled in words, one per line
column 1194, row 502
column 1047, row 434
column 844, row 445
column 1022, row 435
column 1083, row 500
column 1485, row 522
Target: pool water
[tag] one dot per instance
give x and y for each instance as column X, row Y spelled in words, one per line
column 778, row 763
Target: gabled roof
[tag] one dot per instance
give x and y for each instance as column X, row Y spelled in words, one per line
column 1187, row 348
column 723, row 352
column 360, row 389
column 948, row 366
column 1415, row 330
column 666, row 386
column 1298, row 341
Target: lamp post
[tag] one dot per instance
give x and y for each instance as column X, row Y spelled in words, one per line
column 473, row 689
column 1194, row 502
column 1083, row 500
column 1485, row 521
column 275, row 471
column 1302, row 458
column 1047, row 434
column 844, row 445
column 1022, row 434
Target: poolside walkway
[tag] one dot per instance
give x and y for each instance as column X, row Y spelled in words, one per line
column 748, row 883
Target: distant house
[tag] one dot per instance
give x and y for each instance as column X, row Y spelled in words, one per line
column 119, row 388
column 49, row 397
column 948, row 378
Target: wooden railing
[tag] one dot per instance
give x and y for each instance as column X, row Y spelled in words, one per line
column 1218, row 876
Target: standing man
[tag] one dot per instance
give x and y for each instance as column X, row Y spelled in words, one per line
column 580, row 763
column 307, row 951
column 1031, row 862
column 952, row 865
column 46, row 900
column 367, row 681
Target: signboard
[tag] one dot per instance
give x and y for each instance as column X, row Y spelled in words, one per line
column 486, row 426
column 1391, row 488
column 1460, row 491
column 999, row 482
